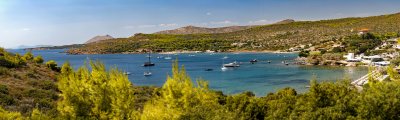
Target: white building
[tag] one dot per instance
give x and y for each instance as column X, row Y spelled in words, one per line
column 350, row 57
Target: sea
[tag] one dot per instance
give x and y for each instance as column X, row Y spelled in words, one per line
column 260, row 78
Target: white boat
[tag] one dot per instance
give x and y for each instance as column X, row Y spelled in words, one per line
column 232, row 64
column 192, row 55
column 225, row 57
column 168, row 58
column 147, row 73
column 127, row 73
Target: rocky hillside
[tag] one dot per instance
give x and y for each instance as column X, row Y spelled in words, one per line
column 99, row 38
column 203, row 30
column 27, row 83
column 266, row 37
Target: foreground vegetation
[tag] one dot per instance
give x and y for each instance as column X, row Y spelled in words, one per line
column 95, row 93
column 266, row 37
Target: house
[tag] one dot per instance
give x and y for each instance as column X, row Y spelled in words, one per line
column 351, row 58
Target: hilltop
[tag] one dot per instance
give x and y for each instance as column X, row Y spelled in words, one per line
column 99, row 38
column 203, row 30
column 258, row 38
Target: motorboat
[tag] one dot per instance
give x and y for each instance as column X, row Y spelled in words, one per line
column 253, row 61
column 127, row 73
column 148, row 73
column 232, row 64
column 168, row 58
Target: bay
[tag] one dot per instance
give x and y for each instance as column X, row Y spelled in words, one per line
column 260, row 78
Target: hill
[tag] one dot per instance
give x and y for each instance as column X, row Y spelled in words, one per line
column 203, row 30
column 27, row 83
column 266, row 37
column 285, row 21
column 99, row 38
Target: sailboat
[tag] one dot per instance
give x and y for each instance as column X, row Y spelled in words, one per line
column 149, row 63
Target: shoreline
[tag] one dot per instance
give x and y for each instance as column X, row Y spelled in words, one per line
column 192, row 52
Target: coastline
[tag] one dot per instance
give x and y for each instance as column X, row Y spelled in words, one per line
column 189, row 52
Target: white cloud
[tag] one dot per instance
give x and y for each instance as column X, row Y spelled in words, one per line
column 208, row 13
column 260, row 22
column 168, row 25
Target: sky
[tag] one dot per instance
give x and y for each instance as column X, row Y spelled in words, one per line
column 62, row 22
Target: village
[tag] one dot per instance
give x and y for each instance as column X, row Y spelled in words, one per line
column 377, row 52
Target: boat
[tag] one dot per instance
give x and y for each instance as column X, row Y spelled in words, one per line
column 160, row 57
column 127, row 73
column 225, row 57
column 148, row 73
column 232, row 64
column 191, row 55
column 209, row 69
column 168, row 57
column 149, row 63
column 284, row 62
column 253, row 61
column 269, row 61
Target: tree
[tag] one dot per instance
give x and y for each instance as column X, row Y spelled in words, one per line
column 95, row 94
column 180, row 99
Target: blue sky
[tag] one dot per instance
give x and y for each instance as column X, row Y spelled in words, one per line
column 59, row 22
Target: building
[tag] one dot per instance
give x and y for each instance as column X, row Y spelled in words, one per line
column 350, row 57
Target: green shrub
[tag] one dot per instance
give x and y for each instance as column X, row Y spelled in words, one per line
column 38, row 59
column 28, row 56
column 52, row 65
column 5, row 98
column 4, row 71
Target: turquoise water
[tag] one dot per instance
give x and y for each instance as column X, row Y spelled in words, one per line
column 260, row 78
